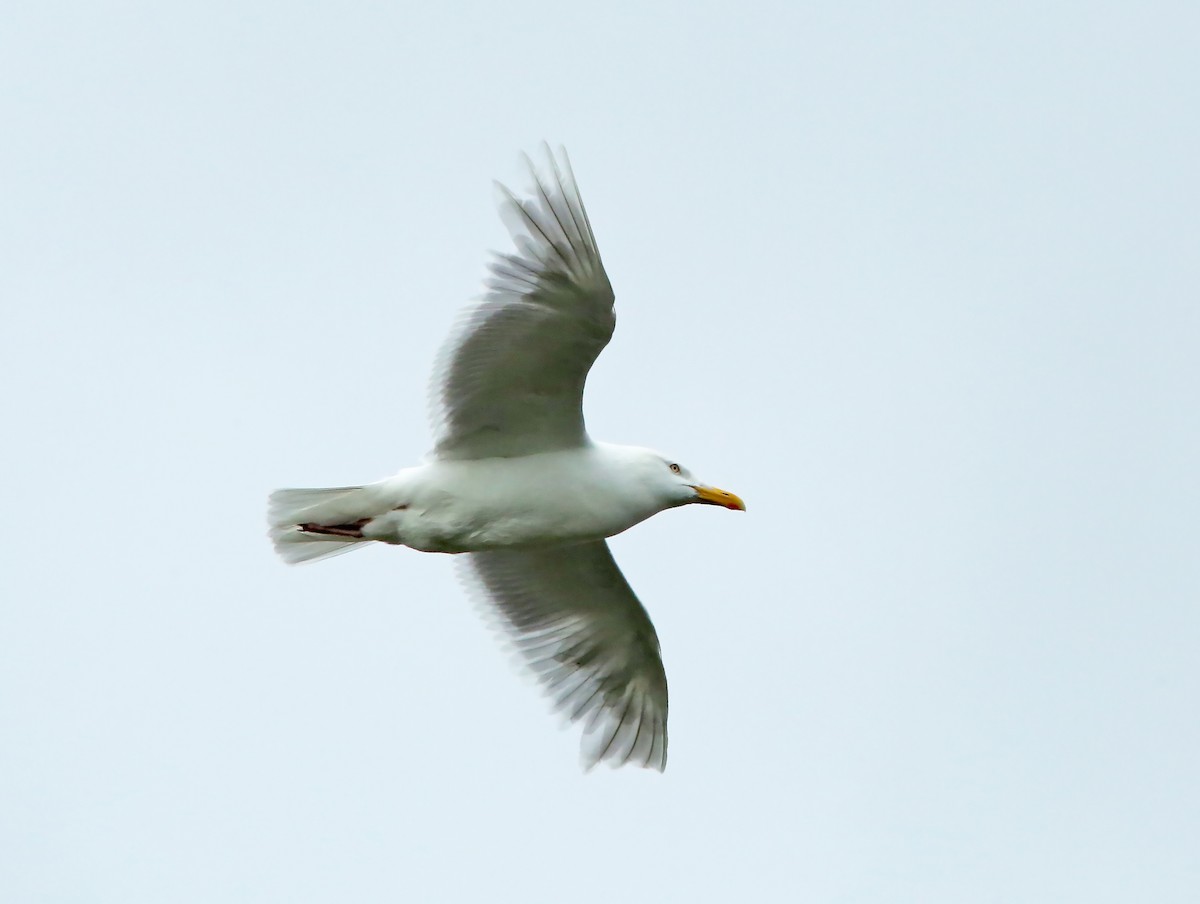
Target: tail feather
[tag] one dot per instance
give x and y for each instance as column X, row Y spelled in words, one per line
column 288, row 510
column 287, row 506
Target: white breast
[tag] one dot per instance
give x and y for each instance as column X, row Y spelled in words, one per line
column 553, row 497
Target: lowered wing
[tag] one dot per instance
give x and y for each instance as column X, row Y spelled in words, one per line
column 576, row 622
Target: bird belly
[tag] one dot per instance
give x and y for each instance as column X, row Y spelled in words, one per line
column 500, row 505
column 461, row 527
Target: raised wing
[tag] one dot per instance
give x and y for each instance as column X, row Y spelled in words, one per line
column 510, row 379
column 575, row 620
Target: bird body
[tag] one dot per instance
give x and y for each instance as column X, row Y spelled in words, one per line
column 518, row 489
column 454, row 506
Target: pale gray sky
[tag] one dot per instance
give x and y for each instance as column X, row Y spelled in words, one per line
column 918, row 281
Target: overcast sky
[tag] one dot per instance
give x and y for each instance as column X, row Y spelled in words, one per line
column 918, row 281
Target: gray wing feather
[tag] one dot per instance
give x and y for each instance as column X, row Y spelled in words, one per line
column 577, row 623
column 510, row 380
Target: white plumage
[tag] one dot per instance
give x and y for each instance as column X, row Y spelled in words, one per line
column 517, row 487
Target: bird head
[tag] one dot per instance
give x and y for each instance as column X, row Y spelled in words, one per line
column 682, row 488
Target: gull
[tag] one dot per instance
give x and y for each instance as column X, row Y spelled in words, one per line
column 517, row 489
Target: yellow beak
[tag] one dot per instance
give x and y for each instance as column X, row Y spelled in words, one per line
column 713, row 496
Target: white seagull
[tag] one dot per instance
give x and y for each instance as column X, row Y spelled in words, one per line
column 519, row 489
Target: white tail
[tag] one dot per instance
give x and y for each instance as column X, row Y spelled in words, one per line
column 288, row 509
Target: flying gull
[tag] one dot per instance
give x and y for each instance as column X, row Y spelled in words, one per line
column 517, row 488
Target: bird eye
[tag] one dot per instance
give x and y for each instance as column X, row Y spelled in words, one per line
column 675, row 469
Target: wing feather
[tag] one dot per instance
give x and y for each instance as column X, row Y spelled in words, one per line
column 510, row 379
column 578, row 625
